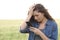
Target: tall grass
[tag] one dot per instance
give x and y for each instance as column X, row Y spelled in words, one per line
column 9, row 30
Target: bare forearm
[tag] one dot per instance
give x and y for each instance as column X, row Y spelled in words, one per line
column 43, row 36
column 38, row 32
column 23, row 26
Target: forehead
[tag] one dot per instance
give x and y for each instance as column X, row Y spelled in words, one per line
column 35, row 13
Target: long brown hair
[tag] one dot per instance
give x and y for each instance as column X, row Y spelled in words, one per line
column 41, row 8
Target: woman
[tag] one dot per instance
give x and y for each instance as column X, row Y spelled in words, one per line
column 43, row 26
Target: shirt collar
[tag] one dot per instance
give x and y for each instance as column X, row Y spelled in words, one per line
column 48, row 22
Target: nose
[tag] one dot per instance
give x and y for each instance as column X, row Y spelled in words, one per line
column 35, row 18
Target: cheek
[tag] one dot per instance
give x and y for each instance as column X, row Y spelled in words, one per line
column 38, row 17
column 41, row 16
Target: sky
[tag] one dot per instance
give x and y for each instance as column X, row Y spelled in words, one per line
column 18, row 9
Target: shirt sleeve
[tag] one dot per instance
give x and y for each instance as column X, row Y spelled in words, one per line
column 26, row 30
column 54, row 33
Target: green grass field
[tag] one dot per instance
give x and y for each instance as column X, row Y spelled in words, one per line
column 9, row 30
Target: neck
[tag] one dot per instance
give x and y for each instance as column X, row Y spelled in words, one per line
column 43, row 20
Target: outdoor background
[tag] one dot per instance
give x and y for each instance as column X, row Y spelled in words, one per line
column 9, row 30
column 14, row 12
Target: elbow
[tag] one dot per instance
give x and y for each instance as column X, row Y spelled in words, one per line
column 22, row 31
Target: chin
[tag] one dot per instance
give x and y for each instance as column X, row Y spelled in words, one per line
column 39, row 21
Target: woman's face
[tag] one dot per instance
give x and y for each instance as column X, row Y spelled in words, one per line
column 38, row 16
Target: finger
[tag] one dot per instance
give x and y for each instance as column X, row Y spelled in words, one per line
column 32, row 28
column 32, row 6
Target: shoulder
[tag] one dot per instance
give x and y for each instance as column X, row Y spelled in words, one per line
column 53, row 24
column 50, row 22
